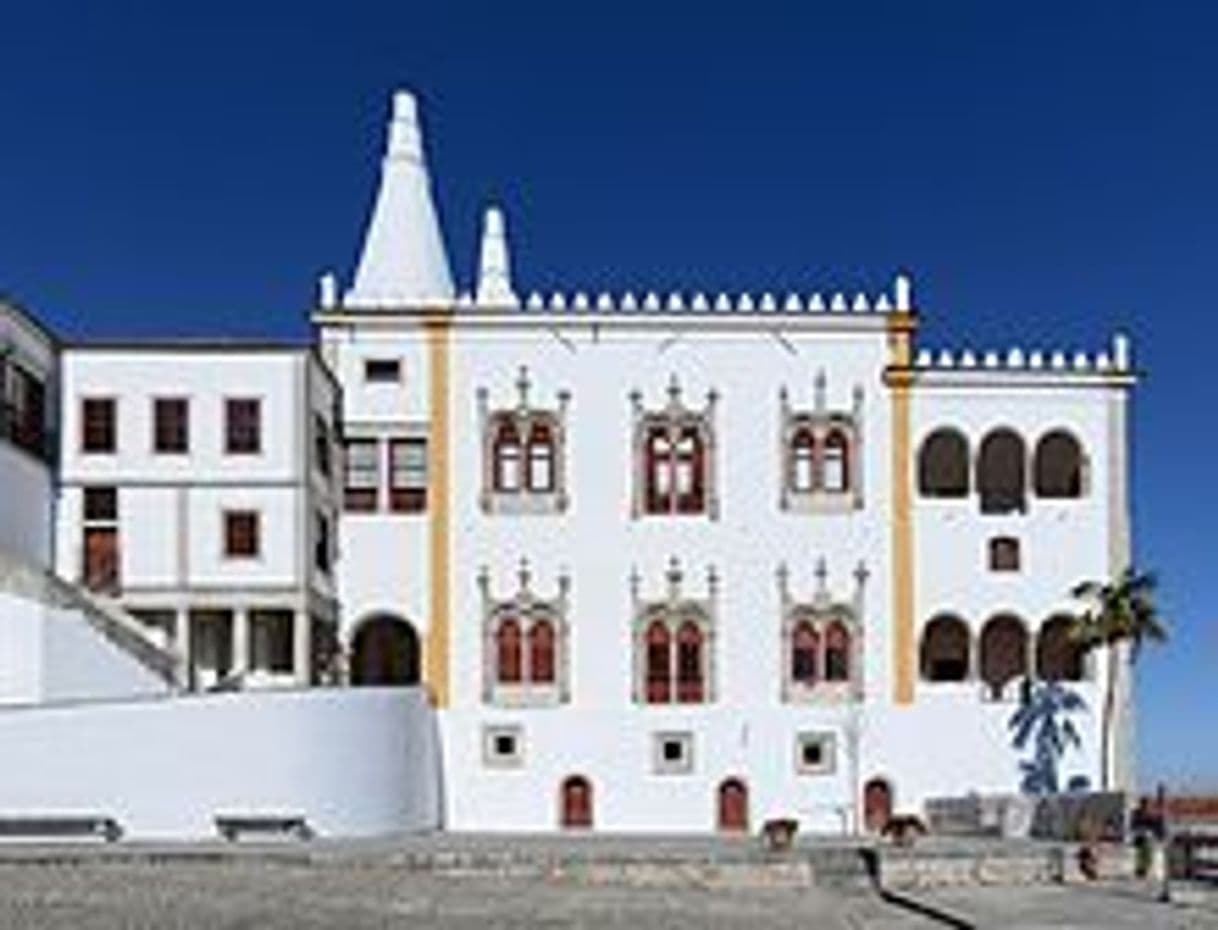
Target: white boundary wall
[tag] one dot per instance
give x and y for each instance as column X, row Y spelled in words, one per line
column 360, row 761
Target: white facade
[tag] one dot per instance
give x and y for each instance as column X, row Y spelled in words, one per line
column 674, row 562
column 174, row 495
column 900, row 556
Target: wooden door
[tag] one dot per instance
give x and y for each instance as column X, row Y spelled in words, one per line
column 577, row 803
column 877, row 804
column 101, row 559
column 733, row 806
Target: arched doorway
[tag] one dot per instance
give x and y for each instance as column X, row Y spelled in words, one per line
column 575, row 803
column 877, row 804
column 385, row 651
column 733, row 806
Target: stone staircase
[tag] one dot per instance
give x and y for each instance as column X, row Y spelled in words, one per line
column 104, row 616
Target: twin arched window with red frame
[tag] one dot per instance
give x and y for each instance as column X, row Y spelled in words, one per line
column 514, row 645
column 675, row 662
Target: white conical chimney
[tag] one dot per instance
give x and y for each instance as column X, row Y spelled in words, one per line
column 403, row 262
column 494, row 262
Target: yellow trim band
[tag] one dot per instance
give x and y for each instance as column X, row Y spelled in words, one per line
column 904, row 649
column 436, row 668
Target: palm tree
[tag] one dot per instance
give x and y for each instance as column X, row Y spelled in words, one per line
column 1116, row 612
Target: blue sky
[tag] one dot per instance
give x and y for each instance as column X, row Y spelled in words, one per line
column 1046, row 171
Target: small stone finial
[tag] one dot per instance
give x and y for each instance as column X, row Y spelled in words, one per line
column 712, row 582
column 861, row 573
column 494, row 264
column 819, row 391
column 327, row 291
column 1121, row 352
column 673, row 577
column 674, row 390
column 405, row 140
column 522, row 387
column 902, row 293
column 524, row 574
column 822, row 578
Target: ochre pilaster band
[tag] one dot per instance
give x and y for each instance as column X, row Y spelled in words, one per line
column 899, row 378
column 436, row 654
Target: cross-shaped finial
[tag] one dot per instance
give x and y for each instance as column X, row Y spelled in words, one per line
column 522, row 386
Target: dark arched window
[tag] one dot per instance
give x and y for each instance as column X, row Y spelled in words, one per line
column 541, row 458
column 575, row 803
column 945, row 649
column 506, row 457
column 835, row 463
column 1004, row 652
column 541, row 652
column 1058, row 466
column 943, row 465
column 805, row 645
column 1001, row 472
column 1059, row 656
column 690, row 680
column 508, row 652
column 803, row 461
column 837, row 652
column 659, row 664
column 657, row 466
column 689, row 479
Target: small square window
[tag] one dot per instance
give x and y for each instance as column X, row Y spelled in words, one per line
column 1004, row 554
column 382, row 371
column 101, row 504
column 243, row 426
column 171, row 425
column 98, row 424
column 814, row 754
column 502, row 746
column 241, row 534
column 672, row 753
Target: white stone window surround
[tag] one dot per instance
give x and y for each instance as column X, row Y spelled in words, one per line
column 674, row 418
column 503, row 746
column 822, row 611
column 812, row 496
column 526, row 608
column 828, row 752
column 674, row 610
column 524, row 417
column 662, row 763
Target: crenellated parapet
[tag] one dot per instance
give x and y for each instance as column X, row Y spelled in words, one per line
column 1114, row 361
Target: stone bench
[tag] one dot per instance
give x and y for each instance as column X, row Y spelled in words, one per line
column 233, row 826
column 59, row 827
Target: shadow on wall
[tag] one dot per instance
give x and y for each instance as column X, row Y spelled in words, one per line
column 1042, row 724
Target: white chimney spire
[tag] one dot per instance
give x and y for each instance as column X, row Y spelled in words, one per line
column 494, row 262
column 403, row 262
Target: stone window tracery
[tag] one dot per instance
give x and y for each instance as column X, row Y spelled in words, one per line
column 821, row 453
column 674, row 457
column 523, row 454
column 822, row 641
column 674, row 643
column 525, row 644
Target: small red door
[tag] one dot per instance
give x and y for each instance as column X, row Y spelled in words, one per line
column 101, row 559
column 877, row 804
column 733, row 806
column 577, row 803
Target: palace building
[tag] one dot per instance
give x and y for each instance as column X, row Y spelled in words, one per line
column 658, row 562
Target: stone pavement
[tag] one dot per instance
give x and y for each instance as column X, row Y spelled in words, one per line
column 214, row 887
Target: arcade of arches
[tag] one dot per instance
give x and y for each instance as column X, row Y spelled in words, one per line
column 1003, row 652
